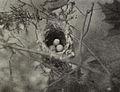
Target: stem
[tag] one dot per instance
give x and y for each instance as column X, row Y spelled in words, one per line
column 80, row 45
column 80, row 11
column 89, row 22
column 18, row 40
column 81, row 41
column 36, row 33
column 107, row 71
column 94, row 55
column 81, row 38
column 28, row 50
column 10, row 66
column 5, row 5
column 74, row 70
column 25, row 3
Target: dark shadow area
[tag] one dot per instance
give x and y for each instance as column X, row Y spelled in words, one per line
column 52, row 34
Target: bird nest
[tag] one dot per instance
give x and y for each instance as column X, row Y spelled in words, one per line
column 57, row 41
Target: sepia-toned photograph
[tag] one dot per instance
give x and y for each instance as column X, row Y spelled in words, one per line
column 59, row 45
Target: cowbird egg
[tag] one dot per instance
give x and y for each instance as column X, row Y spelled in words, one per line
column 56, row 42
column 59, row 48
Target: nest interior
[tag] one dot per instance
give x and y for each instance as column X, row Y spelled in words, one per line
column 54, row 33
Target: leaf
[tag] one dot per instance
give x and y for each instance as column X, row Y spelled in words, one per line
column 6, row 34
column 50, row 5
column 112, row 16
column 12, row 40
column 55, row 4
column 1, row 26
column 21, row 26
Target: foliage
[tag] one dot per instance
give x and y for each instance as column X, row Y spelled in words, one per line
column 25, row 32
column 112, row 16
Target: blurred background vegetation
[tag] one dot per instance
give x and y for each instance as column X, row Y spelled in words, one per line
column 101, row 72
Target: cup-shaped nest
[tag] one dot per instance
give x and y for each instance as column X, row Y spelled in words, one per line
column 58, row 40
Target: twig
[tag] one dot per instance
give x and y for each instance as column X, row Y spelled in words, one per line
column 72, row 26
column 81, row 38
column 79, row 10
column 95, row 57
column 107, row 71
column 84, row 67
column 31, row 51
column 34, row 7
column 28, row 50
column 25, row 3
column 5, row 5
column 10, row 66
column 88, row 47
column 36, row 28
column 18, row 40
column 89, row 20
column 36, row 33
column 42, row 11
column 80, row 45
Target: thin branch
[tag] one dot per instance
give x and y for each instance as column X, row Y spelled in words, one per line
column 32, row 4
column 81, row 38
column 24, row 3
column 5, row 5
column 10, row 66
column 72, row 26
column 95, row 9
column 28, row 50
column 18, row 40
column 74, row 70
column 42, row 11
column 80, row 44
column 36, row 33
column 93, row 52
column 95, row 57
column 36, row 28
column 31, row 51
column 80, row 11
column 89, row 22
column 98, row 59
column 34, row 7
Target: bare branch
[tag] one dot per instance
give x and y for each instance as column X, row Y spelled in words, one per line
column 10, row 66
column 5, row 5
column 80, row 11
column 89, row 20
column 98, row 59
column 28, row 50
column 81, row 38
